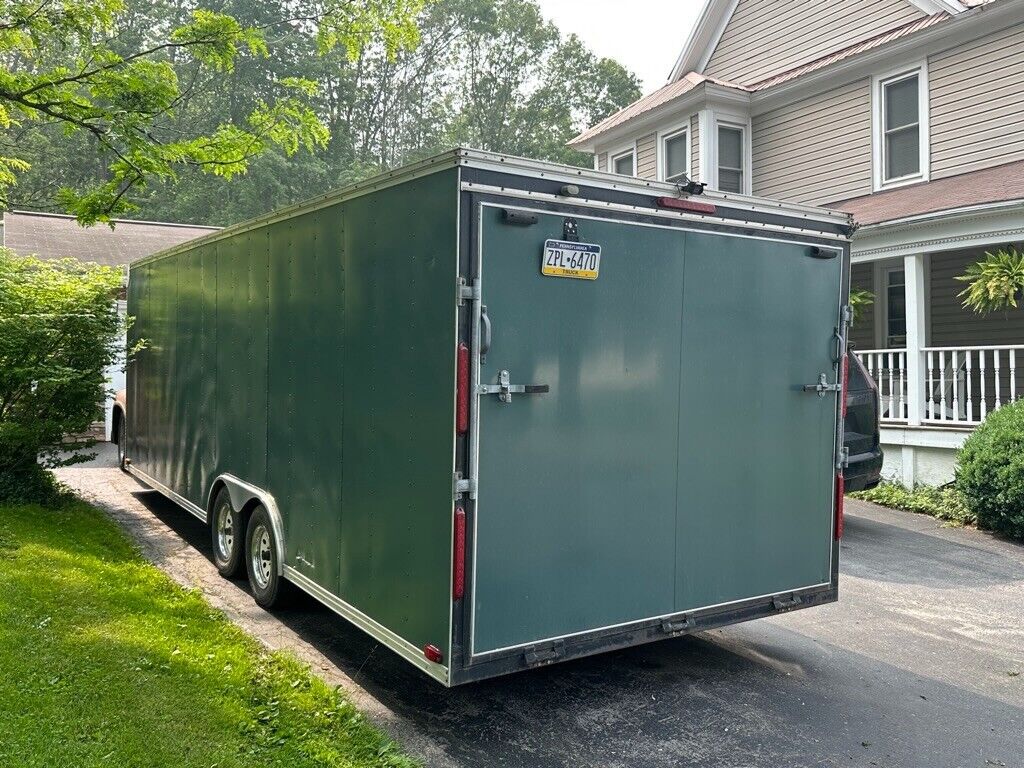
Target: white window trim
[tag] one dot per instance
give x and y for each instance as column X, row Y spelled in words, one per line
column 670, row 133
column 878, row 126
column 625, row 149
column 709, row 147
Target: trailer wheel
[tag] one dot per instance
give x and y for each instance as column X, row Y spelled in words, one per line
column 228, row 535
column 268, row 587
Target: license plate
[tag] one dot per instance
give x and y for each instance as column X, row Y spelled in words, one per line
column 563, row 258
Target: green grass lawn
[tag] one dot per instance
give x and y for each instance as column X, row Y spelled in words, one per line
column 104, row 661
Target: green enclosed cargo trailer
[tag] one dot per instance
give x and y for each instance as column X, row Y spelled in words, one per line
column 500, row 413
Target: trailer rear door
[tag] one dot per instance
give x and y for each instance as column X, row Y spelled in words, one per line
column 663, row 456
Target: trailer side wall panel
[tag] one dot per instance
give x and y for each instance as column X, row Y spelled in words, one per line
column 313, row 356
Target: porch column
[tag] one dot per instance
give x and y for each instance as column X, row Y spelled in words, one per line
column 913, row 273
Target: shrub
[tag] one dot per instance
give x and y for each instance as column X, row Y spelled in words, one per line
column 59, row 331
column 944, row 503
column 990, row 471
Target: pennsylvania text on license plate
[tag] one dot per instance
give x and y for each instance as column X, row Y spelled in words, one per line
column 563, row 258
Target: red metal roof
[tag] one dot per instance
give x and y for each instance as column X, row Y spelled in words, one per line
column 999, row 184
column 661, row 96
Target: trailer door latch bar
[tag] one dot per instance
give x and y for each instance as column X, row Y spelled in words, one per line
column 504, row 389
column 822, row 386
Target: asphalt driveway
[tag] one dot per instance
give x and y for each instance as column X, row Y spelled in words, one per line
column 920, row 664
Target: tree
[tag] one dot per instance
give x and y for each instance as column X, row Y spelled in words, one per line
column 90, row 68
column 59, row 332
column 487, row 73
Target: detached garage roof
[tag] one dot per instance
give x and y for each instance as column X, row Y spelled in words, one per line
column 52, row 236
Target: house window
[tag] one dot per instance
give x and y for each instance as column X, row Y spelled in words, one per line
column 730, row 159
column 895, row 309
column 675, row 150
column 901, row 128
column 624, row 164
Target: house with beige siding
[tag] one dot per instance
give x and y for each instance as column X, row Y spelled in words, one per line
column 906, row 114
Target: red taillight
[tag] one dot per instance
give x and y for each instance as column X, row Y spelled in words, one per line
column 462, row 391
column 846, row 382
column 685, row 205
column 433, row 653
column 459, row 555
column 840, row 493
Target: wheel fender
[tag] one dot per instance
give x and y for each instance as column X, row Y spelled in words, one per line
column 241, row 493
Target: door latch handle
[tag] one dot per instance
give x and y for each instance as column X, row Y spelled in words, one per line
column 822, row 386
column 504, row 389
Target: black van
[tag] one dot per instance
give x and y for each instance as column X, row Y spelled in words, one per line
column 861, row 430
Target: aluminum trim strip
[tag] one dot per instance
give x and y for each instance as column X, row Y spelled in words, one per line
column 385, row 636
column 485, row 654
column 156, row 485
column 509, row 164
column 652, row 212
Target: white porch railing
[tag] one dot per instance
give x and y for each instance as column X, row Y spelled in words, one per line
column 888, row 367
column 962, row 384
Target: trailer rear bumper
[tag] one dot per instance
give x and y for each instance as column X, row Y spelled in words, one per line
column 638, row 633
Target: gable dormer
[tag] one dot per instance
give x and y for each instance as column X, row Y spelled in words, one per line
column 748, row 41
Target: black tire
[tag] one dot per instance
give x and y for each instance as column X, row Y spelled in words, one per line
column 121, row 435
column 227, row 534
column 269, row 588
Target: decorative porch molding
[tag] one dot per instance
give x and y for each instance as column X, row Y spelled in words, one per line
column 925, row 437
column 943, row 231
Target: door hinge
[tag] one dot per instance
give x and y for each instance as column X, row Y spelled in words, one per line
column 540, row 655
column 466, row 292
column 462, row 485
column 675, row 626
column 785, row 603
column 844, row 458
column 847, row 315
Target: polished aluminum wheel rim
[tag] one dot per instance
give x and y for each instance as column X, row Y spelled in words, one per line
column 261, row 556
column 225, row 531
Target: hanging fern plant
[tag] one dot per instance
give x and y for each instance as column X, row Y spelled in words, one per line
column 994, row 283
column 860, row 300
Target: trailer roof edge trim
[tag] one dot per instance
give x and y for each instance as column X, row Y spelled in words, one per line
column 492, row 161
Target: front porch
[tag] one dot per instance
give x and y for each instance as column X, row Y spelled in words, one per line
column 940, row 368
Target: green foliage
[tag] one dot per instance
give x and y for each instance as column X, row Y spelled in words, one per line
column 943, row 503
column 104, row 70
column 995, row 282
column 860, row 300
column 990, row 471
column 108, row 662
column 59, row 332
column 388, row 83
